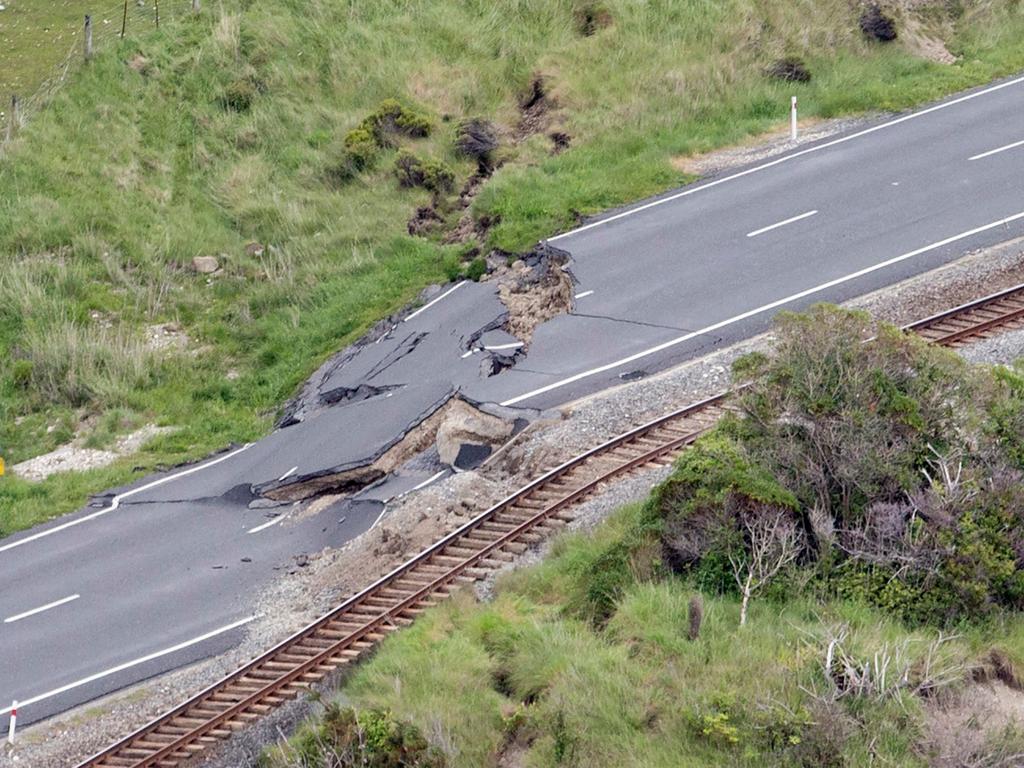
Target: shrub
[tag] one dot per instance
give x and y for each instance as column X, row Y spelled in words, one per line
column 239, row 95
column 590, row 17
column 391, row 118
column 477, row 139
column 875, row 24
column 791, row 69
column 433, row 175
column 372, row 738
column 360, row 148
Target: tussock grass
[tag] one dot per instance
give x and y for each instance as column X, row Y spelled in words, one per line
column 132, row 171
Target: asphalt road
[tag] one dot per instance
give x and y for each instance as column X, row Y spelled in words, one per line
column 170, row 570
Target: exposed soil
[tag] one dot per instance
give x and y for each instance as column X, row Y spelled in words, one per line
column 425, row 221
column 964, row 727
column 534, row 291
column 535, row 107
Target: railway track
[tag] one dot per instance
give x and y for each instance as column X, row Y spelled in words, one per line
column 975, row 320
column 486, row 543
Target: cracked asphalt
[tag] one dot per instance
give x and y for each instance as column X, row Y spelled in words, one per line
column 171, row 574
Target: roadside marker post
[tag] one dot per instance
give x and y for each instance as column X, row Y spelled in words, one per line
column 14, row 717
column 792, row 119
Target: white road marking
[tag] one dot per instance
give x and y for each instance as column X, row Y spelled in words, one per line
column 288, row 474
column 770, row 227
column 582, row 295
column 22, row 703
column 793, row 156
column 116, row 502
column 263, row 526
column 41, row 608
column 428, row 481
column 513, row 345
column 429, row 304
column 764, row 308
column 382, row 513
column 997, row 150
column 467, row 354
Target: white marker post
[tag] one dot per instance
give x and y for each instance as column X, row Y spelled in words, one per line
column 14, row 717
column 792, row 119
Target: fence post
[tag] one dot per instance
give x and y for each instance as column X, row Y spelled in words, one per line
column 195, row 6
column 88, row 37
column 13, row 118
column 10, row 726
column 124, row 19
column 157, row 4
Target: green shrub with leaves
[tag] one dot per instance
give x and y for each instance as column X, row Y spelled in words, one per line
column 370, row 738
column 412, row 171
column 392, row 119
column 898, row 460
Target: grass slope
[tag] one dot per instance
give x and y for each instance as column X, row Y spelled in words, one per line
column 134, row 170
column 529, row 675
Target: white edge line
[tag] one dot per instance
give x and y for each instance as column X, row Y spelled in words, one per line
column 428, row 481
column 429, row 304
column 288, row 474
column 582, row 295
column 997, row 150
column 382, row 513
column 513, row 345
column 778, row 224
column 262, row 526
column 468, row 354
column 764, row 308
column 40, row 609
column 116, row 501
column 22, row 703
column 793, row 156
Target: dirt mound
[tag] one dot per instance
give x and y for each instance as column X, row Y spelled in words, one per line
column 877, row 25
column 792, row 69
column 535, row 290
column 535, row 106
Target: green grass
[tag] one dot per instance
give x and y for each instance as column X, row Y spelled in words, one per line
column 636, row 691
column 130, row 172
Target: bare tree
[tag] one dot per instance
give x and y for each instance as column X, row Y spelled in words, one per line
column 774, row 540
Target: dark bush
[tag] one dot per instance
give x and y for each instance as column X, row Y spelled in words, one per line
column 391, row 118
column 239, row 95
column 477, row 139
column 876, row 25
column 370, row 738
column 590, row 17
column 792, row 69
column 433, row 175
column 477, row 268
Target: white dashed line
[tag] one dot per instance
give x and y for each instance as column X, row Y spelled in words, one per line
column 786, row 158
column 513, row 345
column 288, row 474
column 40, row 609
column 997, row 150
column 770, row 227
column 582, row 295
column 756, row 311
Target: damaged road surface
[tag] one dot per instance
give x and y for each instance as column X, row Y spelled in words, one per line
column 151, row 577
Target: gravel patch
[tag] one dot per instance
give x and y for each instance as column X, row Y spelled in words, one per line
column 1004, row 349
column 74, row 458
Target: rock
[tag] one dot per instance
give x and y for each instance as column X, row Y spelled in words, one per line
column 254, row 249
column 262, row 503
column 205, row 265
column 467, row 436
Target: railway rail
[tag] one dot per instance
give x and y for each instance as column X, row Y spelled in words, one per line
column 472, row 552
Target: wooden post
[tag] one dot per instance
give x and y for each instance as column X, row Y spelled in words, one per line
column 13, row 117
column 195, row 6
column 124, row 18
column 157, row 4
column 88, row 37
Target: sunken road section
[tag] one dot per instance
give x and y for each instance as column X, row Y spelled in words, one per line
column 487, row 543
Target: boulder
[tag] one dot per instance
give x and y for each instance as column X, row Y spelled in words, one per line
column 205, row 265
column 467, row 436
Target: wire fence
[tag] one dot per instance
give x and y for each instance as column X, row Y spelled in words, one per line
column 94, row 32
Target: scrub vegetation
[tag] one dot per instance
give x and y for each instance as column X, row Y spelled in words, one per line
column 300, row 143
column 891, row 472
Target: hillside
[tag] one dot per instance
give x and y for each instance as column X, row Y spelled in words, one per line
column 830, row 577
column 266, row 137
